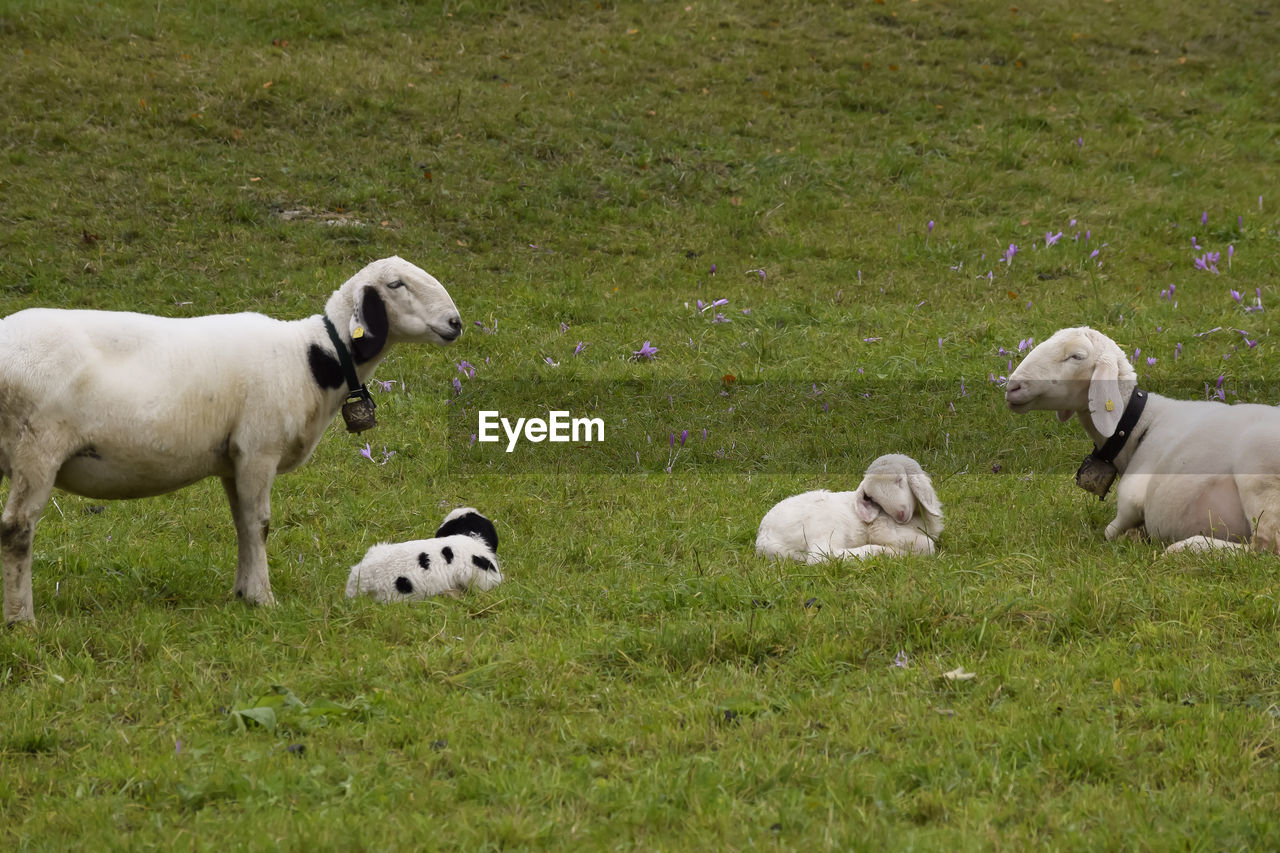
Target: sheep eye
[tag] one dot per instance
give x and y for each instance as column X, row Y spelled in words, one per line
column 1076, row 356
column 393, row 285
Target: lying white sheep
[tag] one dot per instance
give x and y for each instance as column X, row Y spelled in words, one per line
column 1198, row 474
column 121, row 405
column 893, row 511
column 462, row 555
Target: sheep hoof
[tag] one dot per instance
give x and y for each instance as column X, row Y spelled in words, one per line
column 259, row 600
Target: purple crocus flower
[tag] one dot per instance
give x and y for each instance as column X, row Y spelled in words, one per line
column 713, row 269
column 684, row 436
column 550, row 362
column 457, row 386
column 367, row 452
column 467, row 368
column 1177, row 351
column 648, row 351
column 1235, row 294
column 1010, row 252
column 1257, row 301
column 564, row 327
column 901, row 660
column 1050, row 238
column 385, row 386
column 720, row 318
column 1151, row 360
column 579, row 348
column 1204, row 218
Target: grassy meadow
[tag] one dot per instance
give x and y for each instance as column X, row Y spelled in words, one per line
column 894, row 197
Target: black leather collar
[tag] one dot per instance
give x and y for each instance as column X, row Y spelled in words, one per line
column 1128, row 419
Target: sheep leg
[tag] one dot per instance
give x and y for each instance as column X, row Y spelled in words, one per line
column 1128, row 516
column 249, row 493
column 1199, row 544
column 861, row 552
column 28, row 495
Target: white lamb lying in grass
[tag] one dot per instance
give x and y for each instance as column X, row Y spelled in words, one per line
column 462, row 555
column 893, row 511
column 1196, row 474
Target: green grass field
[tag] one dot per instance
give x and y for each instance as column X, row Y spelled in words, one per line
column 851, row 177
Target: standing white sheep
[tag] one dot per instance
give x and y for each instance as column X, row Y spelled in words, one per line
column 463, row 554
column 1198, row 474
column 894, row 510
column 112, row 404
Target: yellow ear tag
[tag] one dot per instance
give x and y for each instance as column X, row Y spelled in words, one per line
column 358, row 332
column 1111, row 407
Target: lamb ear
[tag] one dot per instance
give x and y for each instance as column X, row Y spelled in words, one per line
column 866, row 510
column 922, row 488
column 369, row 325
column 1105, row 405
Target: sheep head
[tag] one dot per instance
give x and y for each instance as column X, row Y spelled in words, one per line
column 468, row 520
column 897, row 486
column 1076, row 371
column 392, row 300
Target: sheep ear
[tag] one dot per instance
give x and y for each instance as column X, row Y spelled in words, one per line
column 369, row 325
column 922, row 488
column 1105, row 405
column 866, row 510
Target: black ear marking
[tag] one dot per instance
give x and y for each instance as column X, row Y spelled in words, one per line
column 424, row 561
column 404, row 586
column 447, row 553
column 472, row 524
column 324, row 368
column 374, row 313
column 483, row 563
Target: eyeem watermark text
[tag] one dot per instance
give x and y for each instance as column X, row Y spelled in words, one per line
column 558, row 426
